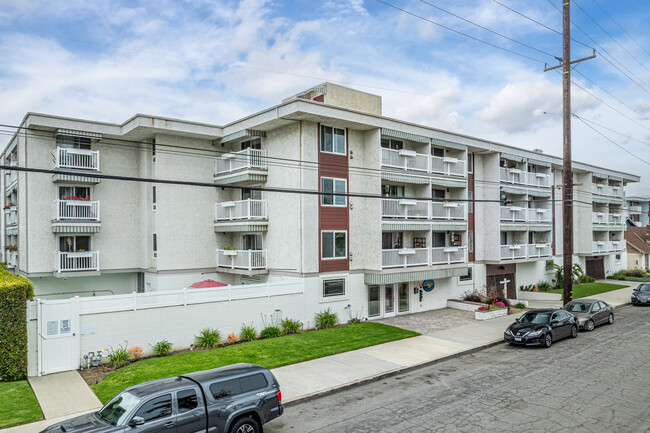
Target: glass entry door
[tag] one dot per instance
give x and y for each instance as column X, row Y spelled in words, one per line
column 403, row 298
column 374, row 305
column 389, row 300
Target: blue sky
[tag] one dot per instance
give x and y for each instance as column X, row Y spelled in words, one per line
column 217, row 60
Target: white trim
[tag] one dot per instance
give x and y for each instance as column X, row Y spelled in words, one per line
column 337, row 298
column 345, row 140
column 346, row 244
column 333, row 179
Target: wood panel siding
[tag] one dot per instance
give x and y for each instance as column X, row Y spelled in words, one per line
column 333, row 217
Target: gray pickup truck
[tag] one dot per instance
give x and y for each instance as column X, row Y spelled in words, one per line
column 239, row 398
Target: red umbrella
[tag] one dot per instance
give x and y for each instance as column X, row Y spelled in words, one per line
column 207, row 284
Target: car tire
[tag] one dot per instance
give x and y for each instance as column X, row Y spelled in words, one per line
column 574, row 331
column 245, row 425
column 589, row 326
column 548, row 341
column 610, row 319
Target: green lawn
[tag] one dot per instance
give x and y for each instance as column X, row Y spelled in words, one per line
column 590, row 289
column 270, row 353
column 18, row 404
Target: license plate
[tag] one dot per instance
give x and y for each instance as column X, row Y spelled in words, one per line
column 517, row 339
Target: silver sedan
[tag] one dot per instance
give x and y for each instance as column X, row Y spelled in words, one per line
column 590, row 312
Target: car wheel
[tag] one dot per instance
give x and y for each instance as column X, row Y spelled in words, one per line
column 548, row 340
column 589, row 325
column 574, row 331
column 245, row 425
column 610, row 320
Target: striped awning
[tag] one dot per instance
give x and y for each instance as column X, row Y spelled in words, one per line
column 514, row 228
column 599, row 175
column 539, row 192
column 540, row 163
column 404, row 135
column 449, row 144
column 403, row 177
column 11, row 189
column 78, row 133
column 448, row 182
column 447, row 226
column 618, row 201
column 405, row 226
column 76, row 228
column 597, row 199
column 512, row 157
column 75, row 179
column 540, row 228
column 317, row 89
column 600, row 228
column 230, row 228
column 616, row 178
column 405, row 277
column 244, row 133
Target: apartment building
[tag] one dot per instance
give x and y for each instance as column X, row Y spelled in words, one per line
column 637, row 210
column 378, row 216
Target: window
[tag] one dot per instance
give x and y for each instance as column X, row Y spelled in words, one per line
column 470, row 162
column 504, row 238
column 155, row 243
column 438, row 152
column 252, row 242
column 154, row 195
column 156, row 408
column 70, row 142
column 226, row 388
column 74, row 192
column 255, row 143
column 549, row 265
column 391, row 240
column 334, row 245
column 186, row 400
column 467, row 277
column 332, row 140
column 253, row 383
column 470, row 241
column 334, row 287
column 438, row 193
column 336, row 186
column 71, row 244
column 252, row 194
column 438, row 239
column 392, row 190
column 388, row 143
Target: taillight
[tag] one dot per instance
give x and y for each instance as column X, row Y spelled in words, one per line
column 278, row 395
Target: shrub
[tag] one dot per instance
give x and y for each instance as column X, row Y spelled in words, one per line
column 118, row 357
column 472, row 296
column 634, row 273
column 208, row 338
column 247, row 333
column 290, row 326
column 354, row 321
column 15, row 291
column 135, row 353
column 326, row 319
column 620, row 275
column 271, row 332
column 162, row 348
column 520, row 305
column 232, row 338
column 544, row 286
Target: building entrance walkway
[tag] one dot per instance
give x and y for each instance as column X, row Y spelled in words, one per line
column 429, row 322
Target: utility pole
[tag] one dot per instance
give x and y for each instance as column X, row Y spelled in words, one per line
column 567, row 190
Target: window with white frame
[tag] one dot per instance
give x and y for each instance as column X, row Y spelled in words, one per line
column 72, row 142
column 467, row 277
column 334, row 287
column 74, row 192
column 334, row 244
column 72, row 244
column 332, row 140
column 335, row 186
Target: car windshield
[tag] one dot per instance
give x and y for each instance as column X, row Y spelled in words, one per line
column 577, row 307
column 116, row 409
column 644, row 287
column 532, row 317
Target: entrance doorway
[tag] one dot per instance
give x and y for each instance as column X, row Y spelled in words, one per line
column 595, row 267
column 403, row 298
column 500, row 276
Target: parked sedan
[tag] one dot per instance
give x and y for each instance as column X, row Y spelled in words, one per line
column 541, row 327
column 591, row 312
column 641, row 295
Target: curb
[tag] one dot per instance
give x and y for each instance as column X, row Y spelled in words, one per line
column 385, row 375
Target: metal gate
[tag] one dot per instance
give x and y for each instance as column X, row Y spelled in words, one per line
column 58, row 335
column 595, row 267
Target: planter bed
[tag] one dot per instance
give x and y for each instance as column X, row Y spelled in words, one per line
column 463, row 305
column 538, row 296
column 490, row 314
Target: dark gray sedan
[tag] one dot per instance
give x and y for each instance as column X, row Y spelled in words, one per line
column 641, row 295
column 591, row 312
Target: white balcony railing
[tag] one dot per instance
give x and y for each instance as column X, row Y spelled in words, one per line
column 242, row 259
column 515, row 251
column 241, row 210
column 601, row 246
column 12, row 258
column 539, row 250
column 599, row 217
column 538, row 215
column 254, row 159
column 76, row 210
column 513, row 214
column 448, row 255
column 447, row 165
column 11, row 217
column 405, row 257
column 448, row 211
column 81, row 261
column 76, row 158
column 615, row 218
column 540, row 180
column 633, row 209
column 405, row 208
column 10, row 178
column 607, row 190
column 516, row 176
column 617, row 245
column 404, row 160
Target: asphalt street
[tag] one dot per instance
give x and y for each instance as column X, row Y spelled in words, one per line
column 599, row 382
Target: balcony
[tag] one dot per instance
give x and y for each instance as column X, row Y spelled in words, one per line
column 241, row 210
column 246, row 166
column 519, row 177
column 11, row 217
column 607, row 246
column 448, row 210
column 405, row 209
column 420, row 163
column 635, row 209
column 514, row 214
column 250, row 260
column 404, row 257
column 615, row 218
column 12, row 259
column 73, row 262
column 607, row 190
column 525, row 251
column 448, row 255
column 606, row 218
column 76, row 210
column 11, row 178
column 539, row 250
column 78, row 159
column 538, row 215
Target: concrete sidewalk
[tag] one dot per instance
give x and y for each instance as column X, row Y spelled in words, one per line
column 615, row 297
column 325, row 375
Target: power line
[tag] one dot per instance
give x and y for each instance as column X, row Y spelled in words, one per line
column 489, row 30
column 620, row 27
column 616, row 132
column 460, row 33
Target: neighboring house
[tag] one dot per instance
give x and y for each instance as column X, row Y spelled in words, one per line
column 638, row 247
column 465, row 212
column 637, row 210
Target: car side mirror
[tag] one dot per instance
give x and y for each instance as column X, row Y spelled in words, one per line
column 136, row 421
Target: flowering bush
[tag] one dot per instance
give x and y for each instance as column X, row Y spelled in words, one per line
column 135, row 353
column 74, row 197
column 10, row 204
column 232, row 338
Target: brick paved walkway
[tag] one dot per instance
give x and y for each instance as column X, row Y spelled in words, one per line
column 431, row 321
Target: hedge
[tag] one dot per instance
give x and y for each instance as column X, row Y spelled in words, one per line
column 15, row 291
